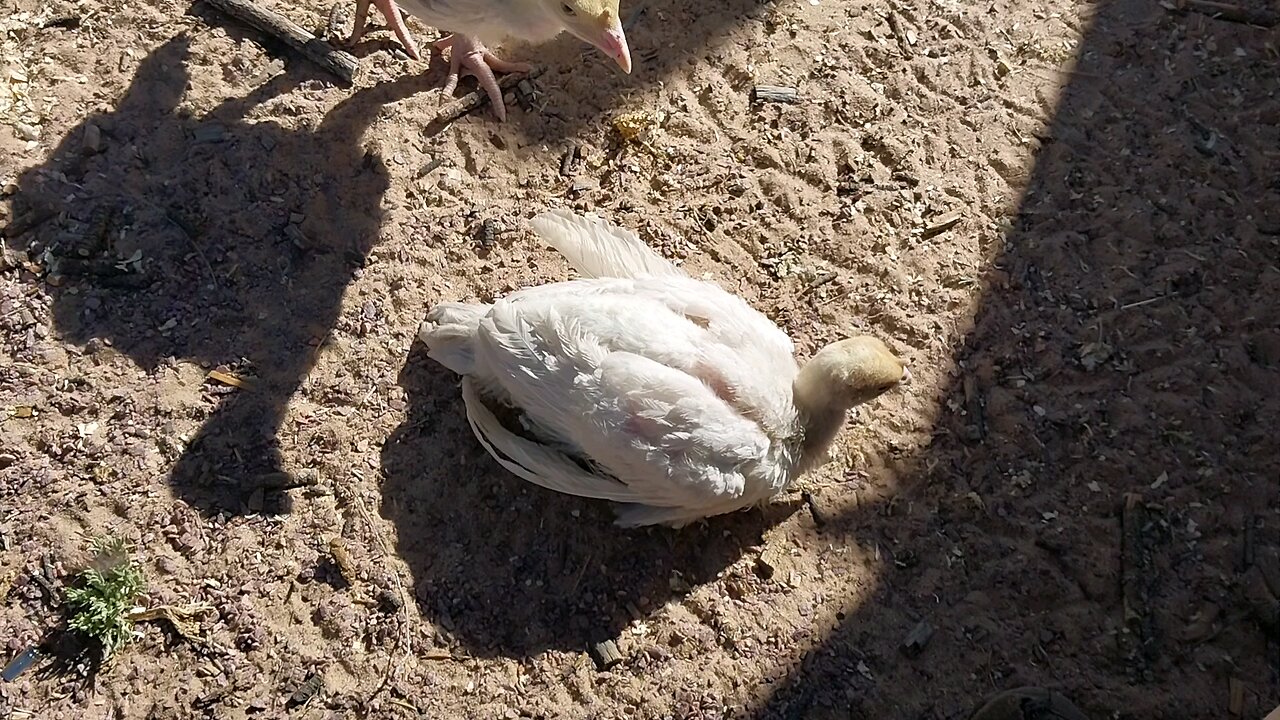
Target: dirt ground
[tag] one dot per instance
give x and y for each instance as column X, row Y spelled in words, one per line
column 1065, row 216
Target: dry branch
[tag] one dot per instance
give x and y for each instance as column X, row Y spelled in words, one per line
column 338, row 62
column 606, row 654
column 1132, row 561
column 1229, row 12
column 775, row 93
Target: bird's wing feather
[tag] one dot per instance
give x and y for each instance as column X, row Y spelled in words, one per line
column 742, row 340
column 528, row 460
column 491, row 21
column 606, row 391
column 597, row 248
column 449, row 15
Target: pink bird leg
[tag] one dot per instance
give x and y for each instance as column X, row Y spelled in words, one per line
column 467, row 54
column 391, row 14
column 470, row 55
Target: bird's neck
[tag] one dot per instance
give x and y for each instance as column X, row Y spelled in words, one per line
column 820, row 411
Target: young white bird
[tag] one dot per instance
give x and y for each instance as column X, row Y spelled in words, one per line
column 646, row 387
column 477, row 22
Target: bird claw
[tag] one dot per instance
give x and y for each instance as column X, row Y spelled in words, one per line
column 470, row 56
column 394, row 19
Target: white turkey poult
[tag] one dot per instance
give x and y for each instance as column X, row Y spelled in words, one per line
column 643, row 386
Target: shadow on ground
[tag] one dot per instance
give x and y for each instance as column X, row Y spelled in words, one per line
column 1128, row 343
column 227, row 274
column 510, row 569
column 243, row 236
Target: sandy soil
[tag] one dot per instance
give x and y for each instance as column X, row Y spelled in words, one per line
column 1098, row 330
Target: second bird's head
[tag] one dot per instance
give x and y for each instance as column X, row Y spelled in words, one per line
column 595, row 22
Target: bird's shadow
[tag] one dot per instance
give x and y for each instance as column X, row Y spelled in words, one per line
column 505, row 568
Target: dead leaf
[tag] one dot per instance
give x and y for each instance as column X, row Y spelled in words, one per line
column 181, row 617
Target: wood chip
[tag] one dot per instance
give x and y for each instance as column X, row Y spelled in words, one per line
column 92, row 143
column 774, row 93
column 569, row 160
column 28, row 221
column 342, row 558
column 917, row 639
column 606, row 654
column 1235, row 701
column 770, row 562
column 333, row 28
column 309, row 688
column 1248, row 553
column 942, row 224
column 465, row 104
column 229, row 379
column 820, row 517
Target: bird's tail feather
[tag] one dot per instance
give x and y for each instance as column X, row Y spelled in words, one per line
column 546, row 466
column 449, row 333
column 533, row 461
column 598, row 248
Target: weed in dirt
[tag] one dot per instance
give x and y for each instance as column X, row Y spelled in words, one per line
column 104, row 594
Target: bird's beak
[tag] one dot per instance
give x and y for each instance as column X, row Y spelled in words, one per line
column 906, row 376
column 614, row 44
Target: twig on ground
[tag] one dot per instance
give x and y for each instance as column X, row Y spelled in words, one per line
column 1227, row 11
column 340, row 63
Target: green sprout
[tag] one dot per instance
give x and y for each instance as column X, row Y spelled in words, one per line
column 104, row 595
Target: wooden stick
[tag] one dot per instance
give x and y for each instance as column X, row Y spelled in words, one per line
column 775, row 93
column 1132, row 557
column 606, row 654
column 1229, row 12
column 942, row 224
column 340, row 63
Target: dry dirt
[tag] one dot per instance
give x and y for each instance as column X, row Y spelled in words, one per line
column 1100, row 328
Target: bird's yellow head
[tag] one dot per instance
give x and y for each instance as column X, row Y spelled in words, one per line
column 851, row 372
column 595, row 22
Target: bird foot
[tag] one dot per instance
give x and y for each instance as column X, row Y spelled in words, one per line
column 394, row 19
column 469, row 55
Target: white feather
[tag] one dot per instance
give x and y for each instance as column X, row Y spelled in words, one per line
column 492, row 21
column 596, row 248
column 676, row 394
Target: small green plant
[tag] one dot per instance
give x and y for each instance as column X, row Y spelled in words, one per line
column 104, row 594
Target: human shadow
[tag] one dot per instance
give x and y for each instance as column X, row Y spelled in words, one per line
column 505, row 568
column 1100, row 488
column 210, row 238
